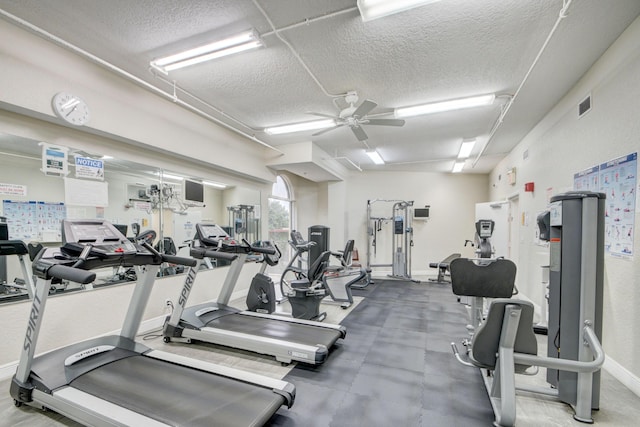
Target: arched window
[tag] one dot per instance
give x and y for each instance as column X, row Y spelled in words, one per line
column 281, row 219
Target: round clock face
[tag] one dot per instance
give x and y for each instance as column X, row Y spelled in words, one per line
column 70, row 108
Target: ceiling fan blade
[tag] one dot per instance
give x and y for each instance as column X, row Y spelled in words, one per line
column 321, row 115
column 359, row 133
column 385, row 122
column 366, row 106
column 326, row 130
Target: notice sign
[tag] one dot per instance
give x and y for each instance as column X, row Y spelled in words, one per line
column 89, row 168
column 13, row 190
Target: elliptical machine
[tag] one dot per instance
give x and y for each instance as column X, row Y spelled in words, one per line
column 303, row 287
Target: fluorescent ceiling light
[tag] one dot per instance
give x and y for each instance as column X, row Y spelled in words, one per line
column 457, row 167
column 298, row 127
column 229, row 46
column 170, row 176
column 465, row 148
column 375, row 157
column 438, row 107
column 214, row 184
column 374, row 9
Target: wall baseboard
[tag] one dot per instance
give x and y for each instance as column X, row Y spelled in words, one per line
column 8, row 370
column 621, row 374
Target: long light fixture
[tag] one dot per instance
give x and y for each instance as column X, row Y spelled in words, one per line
column 465, row 148
column 299, row 127
column 170, row 176
column 457, row 167
column 214, row 184
column 374, row 9
column 229, row 46
column 375, row 157
column 438, row 107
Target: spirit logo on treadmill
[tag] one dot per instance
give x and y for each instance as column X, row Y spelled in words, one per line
column 31, row 326
column 186, row 289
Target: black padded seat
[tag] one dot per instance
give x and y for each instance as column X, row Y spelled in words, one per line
column 490, row 279
column 484, row 347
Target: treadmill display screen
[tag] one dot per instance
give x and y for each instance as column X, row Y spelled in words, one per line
column 84, row 232
column 211, row 231
column 212, row 235
column 100, row 234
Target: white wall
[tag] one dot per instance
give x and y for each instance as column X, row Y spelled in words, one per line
column 452, row 199
column 562, row 144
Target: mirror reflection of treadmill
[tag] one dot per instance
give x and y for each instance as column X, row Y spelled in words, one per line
column 287, row 339
column 116, row 381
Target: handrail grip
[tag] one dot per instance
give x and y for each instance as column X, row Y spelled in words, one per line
column 564, row 364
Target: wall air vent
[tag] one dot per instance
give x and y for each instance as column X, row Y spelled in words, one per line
column 584, row 107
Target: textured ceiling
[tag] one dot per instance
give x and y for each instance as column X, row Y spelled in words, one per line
column 445, row 50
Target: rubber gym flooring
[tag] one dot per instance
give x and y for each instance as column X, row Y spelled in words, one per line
column 395, row 366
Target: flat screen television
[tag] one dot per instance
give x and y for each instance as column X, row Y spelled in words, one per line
column 193, row 191
column 421, row 213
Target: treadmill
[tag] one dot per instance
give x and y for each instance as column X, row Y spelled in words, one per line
column 286, row 338
column 116, row 381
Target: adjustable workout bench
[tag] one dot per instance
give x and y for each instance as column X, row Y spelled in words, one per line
column 443, row 268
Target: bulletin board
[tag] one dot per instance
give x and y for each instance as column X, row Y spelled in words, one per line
column 616, row 178
column 34, row 220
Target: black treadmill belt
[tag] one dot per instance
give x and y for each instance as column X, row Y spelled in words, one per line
column 180, row 396
column 277, row 329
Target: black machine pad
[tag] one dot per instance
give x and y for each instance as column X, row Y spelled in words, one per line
column 491, row 279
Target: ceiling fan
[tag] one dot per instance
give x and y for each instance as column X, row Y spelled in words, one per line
column 356, row 117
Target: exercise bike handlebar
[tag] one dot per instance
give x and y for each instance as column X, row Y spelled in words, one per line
column 302, row 247
column 259, row 249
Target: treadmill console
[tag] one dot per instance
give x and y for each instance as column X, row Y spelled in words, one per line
column 213, row 236
column 105, row 239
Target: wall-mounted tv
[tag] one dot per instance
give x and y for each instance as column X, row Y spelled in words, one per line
column 193, row 191
column 421, row 213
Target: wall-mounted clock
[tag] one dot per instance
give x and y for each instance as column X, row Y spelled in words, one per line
column 70, row 108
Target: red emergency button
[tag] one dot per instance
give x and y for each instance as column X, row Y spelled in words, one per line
column 119, row 250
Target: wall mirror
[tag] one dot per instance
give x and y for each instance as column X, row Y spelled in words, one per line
column 145, row 202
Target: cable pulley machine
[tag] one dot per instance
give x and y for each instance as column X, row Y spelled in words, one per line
column 401, row 237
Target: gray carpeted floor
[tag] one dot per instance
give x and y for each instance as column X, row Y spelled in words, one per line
column 395, row 367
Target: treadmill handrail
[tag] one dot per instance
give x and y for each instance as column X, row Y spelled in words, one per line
column 172, row 259
column 200, row 253
column 47, row 270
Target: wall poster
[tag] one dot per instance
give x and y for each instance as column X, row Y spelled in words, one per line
column 37, row 221
column 616, row 178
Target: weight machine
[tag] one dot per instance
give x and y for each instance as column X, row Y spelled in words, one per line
column 401, row 237
column 243, row 222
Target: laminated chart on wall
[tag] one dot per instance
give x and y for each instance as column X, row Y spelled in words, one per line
column 34, row 220
column 616, row 178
